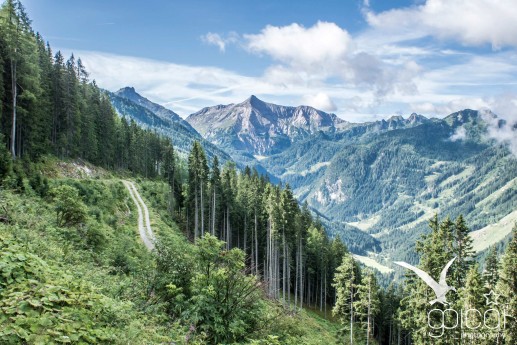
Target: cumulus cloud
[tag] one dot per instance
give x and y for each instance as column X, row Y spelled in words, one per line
column 320, row 101
column 471, row 22
column 325, row 51
column 218, row 40
column 300, row 46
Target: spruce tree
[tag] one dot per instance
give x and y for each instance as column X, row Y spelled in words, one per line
column 491, row 272
column 345, row 281
column 472, row 302
column 367, row 304
column 507, row 287
column 462, row 251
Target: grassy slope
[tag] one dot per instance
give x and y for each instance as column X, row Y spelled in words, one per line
column 117, row 266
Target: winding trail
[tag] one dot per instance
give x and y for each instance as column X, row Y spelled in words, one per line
column 146, row 233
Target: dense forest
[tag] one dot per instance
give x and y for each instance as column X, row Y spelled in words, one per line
column 237, row 259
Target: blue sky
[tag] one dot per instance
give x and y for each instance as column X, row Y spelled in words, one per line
column 362, row 60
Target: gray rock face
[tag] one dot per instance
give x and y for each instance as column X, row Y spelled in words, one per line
column 261, row 128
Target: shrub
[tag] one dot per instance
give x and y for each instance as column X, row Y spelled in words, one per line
column 70, row 209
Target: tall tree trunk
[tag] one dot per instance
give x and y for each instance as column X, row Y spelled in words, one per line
column 245, row 237
column 228, row 229
column 321, row 291
column 288, row 276
column 268, row 257
column 213, row 214
column 351, row 315
column 297, row 263
column 368, row 316
column 15, row 96
column 256, row 244
column 202, row 212
column 196, row 216
column 325, row 293
column 301, row 273
column 284, row 265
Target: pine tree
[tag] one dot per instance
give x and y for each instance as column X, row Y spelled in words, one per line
column 197, row 178
column 345, row 281
column 14, row 26
column 491, row 272
column 367, row 304
column 435, row 249
column 462, row 251
column 507, row 287
column 215, row 196
column 471, row 298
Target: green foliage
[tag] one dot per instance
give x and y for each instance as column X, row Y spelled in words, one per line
column 227, row 303
column 38, row 304
column 346, row 279
column 507, row 285
column 70, row 209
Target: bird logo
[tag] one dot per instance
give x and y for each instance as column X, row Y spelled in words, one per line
column 441, row 288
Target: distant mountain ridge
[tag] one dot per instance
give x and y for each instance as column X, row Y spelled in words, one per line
column 132, row 106
column 157, row 109
column 259, row 127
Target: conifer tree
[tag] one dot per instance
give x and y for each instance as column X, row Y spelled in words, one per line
column 472, row 302
column 215, row 195
column 462, row 251
column 491, row 272
column 345, row 281
column 367, row 304
column 16, row 37
column 507, row 287
column 197, row 178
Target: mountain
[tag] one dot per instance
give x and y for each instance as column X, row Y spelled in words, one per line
column 376, row 184
column 131, row 105
column 159, row 110
column 261, row 128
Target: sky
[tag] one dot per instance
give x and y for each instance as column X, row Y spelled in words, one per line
column 362, row 60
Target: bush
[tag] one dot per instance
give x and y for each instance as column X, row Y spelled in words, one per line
column 228, row 303
column 70, row 209
column 39, row 184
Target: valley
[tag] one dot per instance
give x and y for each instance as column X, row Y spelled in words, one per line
column 357, row 176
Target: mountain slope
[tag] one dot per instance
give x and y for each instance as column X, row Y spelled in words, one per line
column 260, row 128
column 159, row 110
column 375, row 184
column 133, row 106
column 390, row 183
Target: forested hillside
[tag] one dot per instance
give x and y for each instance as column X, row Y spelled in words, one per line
column 236, row 260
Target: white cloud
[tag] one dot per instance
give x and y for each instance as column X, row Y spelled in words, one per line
column 186, row 89
column 441, row 108
column 326, row 51
column 320, row 101
column 505, row 107
column 471, row 22
column 299, row 46
column 219, row 41
column 459, row 134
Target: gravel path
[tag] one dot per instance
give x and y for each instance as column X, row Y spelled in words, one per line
column 144, row 223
